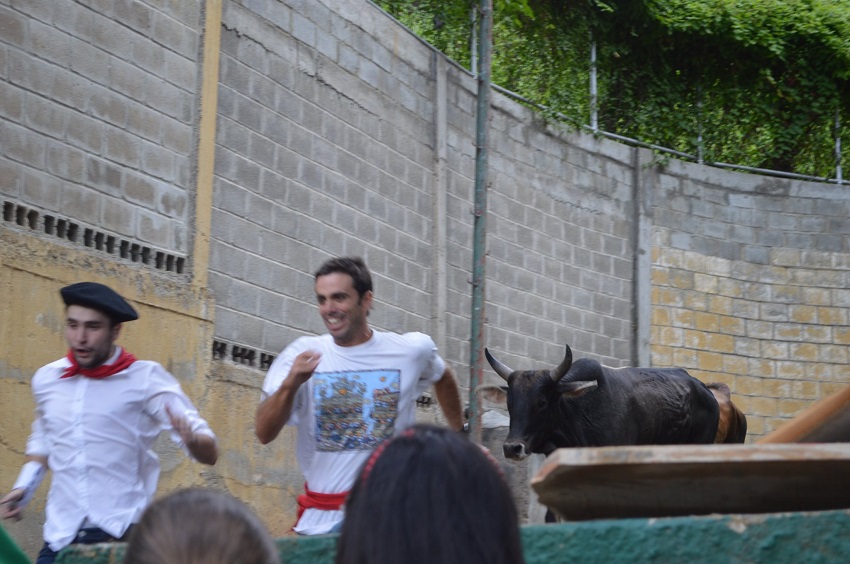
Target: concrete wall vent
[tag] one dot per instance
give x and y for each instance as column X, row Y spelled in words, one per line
column 72, row 232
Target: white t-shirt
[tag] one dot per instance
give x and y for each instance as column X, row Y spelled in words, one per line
column 357, row 397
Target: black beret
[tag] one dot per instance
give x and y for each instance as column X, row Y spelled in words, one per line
column 99, row 297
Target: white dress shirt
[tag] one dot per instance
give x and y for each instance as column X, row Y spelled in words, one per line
column 97, row 435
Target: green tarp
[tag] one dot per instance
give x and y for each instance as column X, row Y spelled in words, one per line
column 11, row 553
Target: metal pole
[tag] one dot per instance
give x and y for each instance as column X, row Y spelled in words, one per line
column 594, row 118
column 476, row 345
column 473, row 42
column 838, row 177
column 699, row 122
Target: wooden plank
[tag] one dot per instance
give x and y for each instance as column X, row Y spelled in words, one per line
column 826, row 421
column 665, row 481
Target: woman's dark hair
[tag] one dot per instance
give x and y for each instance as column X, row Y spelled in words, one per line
column 430, row 495
column 354, row 267
column 200, row 526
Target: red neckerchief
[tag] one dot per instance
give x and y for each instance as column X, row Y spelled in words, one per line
column 124, row 361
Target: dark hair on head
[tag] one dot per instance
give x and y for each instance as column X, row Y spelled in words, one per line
column 200, row 526
column 430, row 495
column 354, row 267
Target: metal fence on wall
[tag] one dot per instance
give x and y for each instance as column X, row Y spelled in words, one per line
column 594, row 121
column 593, row 127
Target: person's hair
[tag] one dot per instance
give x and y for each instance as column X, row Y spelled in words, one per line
column 430, row 495
column 200, row 526
column 354, row 267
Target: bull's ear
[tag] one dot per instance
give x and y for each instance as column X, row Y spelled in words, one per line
column 576, row 388
column 494, row 394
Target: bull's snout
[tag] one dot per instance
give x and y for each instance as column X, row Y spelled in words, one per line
column 515, row 450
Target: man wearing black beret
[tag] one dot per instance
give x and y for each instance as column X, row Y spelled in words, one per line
column 98, row 412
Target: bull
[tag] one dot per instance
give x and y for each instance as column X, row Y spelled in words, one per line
column 584, row 404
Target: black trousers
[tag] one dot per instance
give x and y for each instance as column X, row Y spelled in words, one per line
column 84, row 536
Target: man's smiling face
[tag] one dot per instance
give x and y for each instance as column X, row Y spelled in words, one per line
column 342, row 309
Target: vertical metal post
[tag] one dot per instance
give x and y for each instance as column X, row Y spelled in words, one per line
column 594, row 117
column 473, row 42
column 838, row 146
column 479, row 250
column 699, row 123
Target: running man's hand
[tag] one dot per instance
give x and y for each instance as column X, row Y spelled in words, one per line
column 9, row 505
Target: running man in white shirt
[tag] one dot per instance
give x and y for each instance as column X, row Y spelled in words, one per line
column 98, row 412
column 346, row 391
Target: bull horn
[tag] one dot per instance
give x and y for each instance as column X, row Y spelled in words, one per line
column 500, row 368
column 564, row 367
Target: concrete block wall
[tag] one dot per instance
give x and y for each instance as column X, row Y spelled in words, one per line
column 324, row 149
column 560, row 245
column 751, row 286
column 335, row 137
column 97, row 119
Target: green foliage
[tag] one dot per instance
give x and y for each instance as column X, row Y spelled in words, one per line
column 445, row 25
column 759, row 80
column 768, row 75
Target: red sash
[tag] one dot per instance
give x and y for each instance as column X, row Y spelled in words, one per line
column 124, row 361
column 315, row 500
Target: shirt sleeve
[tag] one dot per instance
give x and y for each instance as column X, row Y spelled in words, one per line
column 37, row 441
column 278, row 372
column 37, row 444
column 433, row 364
column 436, row 368
column 165, row 390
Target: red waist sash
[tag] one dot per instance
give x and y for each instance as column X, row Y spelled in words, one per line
column 316, row 500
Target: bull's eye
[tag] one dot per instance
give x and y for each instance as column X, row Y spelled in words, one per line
column 542, row 403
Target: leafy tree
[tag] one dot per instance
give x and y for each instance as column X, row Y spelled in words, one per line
column 759, row 80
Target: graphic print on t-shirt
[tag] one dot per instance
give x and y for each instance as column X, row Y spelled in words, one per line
column 355, row 410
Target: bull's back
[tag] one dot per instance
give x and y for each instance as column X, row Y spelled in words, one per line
column 668, row 406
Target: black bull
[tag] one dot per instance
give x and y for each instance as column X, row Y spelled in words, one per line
column 586, row 404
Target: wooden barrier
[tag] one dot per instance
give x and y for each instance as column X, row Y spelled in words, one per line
column 678, row 480
column 826, row 421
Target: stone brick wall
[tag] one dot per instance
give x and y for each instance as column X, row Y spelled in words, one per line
column 324, row 150
column 336, row 137
column 561, row 251
column 751, row 286
column 98, row 113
